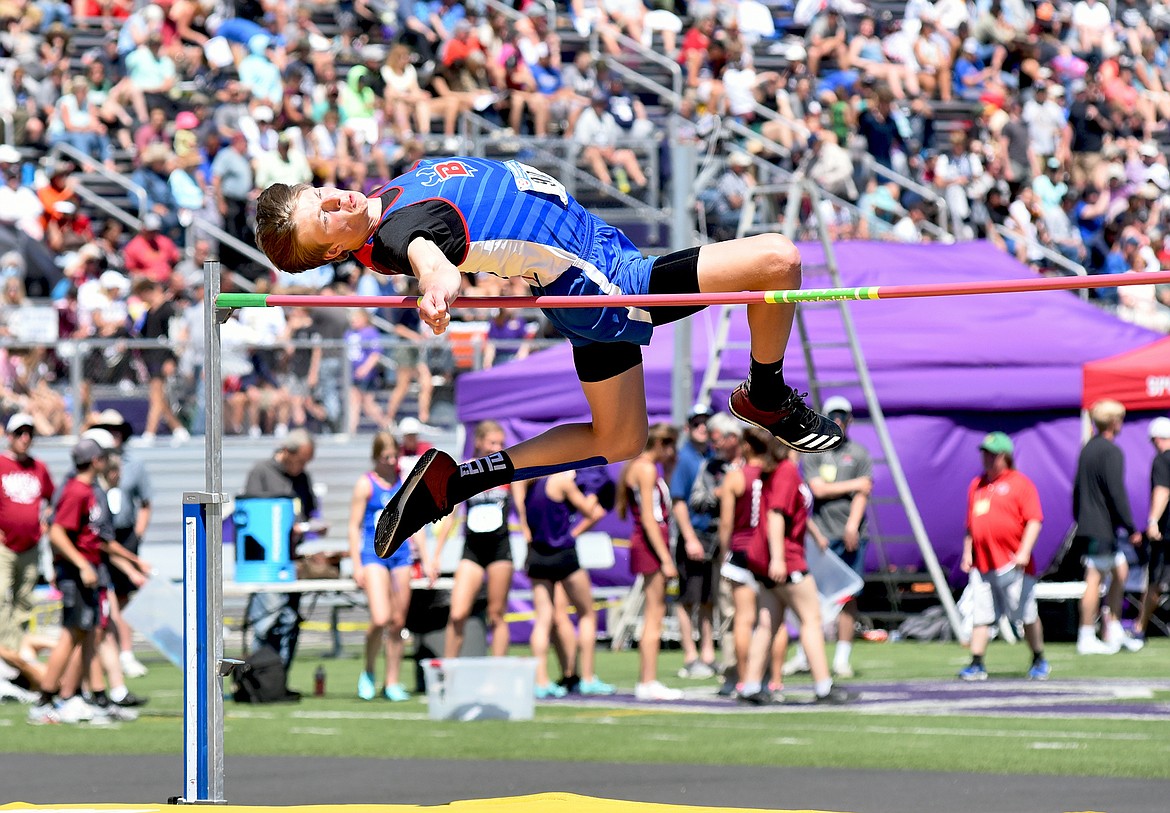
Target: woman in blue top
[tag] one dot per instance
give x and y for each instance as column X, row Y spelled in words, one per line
column 386, row 581
column 550, row 504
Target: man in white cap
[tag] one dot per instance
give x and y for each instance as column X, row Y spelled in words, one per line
column 410, row 447
column 841, row 481
column 25, row 491
column 130, row 505
column 1157, row 527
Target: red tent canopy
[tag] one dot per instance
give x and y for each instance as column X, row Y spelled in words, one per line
column 1139, row 379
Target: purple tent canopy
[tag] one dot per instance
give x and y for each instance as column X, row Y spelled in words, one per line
column 947, row 370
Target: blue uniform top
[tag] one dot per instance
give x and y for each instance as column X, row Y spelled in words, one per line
column 511, row 220
column 548, row 520
column 379, row 496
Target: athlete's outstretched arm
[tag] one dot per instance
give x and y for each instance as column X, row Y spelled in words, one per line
column 438, row 282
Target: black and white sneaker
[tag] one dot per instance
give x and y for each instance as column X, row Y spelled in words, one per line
column 836, row 697
column 421, row 501
column 793, row 424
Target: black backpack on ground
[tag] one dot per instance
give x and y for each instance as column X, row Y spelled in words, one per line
column 263, row 679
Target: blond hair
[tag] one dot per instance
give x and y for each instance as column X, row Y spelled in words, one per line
column 1105, row 413
column 276, row 231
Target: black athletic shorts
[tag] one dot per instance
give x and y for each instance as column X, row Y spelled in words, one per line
column 483, row 549
column 82, row 608
column 696, row 579
column 551, row 564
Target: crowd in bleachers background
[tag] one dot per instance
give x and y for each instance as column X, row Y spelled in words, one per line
column 1040, row 125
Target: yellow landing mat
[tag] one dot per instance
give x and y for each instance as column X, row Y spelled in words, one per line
column 539, row 803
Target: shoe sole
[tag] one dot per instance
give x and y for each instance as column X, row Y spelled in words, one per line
column 973, row 678
column 388, row 521
column 834, row 442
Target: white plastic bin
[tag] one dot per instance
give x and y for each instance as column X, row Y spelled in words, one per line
column 156, row 612
column 836, row 581
column 468, row 689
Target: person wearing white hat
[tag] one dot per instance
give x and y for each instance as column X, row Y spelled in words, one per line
column 25, row 491
column 129, row 495
column 1157, row 532
column 841, row 481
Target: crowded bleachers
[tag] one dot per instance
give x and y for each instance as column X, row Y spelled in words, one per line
column 136, row 138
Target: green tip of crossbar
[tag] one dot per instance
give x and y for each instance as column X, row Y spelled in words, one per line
column 241, row 301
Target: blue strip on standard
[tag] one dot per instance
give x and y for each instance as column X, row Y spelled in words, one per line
column 194, row 513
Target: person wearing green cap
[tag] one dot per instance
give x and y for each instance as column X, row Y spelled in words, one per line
column 1003, row 522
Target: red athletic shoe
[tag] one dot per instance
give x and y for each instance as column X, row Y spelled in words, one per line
column 421, row 501
column 794, row 424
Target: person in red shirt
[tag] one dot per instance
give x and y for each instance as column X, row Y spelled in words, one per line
column 152, row 254
column 775, row 555
column 25, row 489
column 1003, row 521
column 77, row 546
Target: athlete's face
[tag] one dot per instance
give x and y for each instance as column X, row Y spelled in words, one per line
column 338, row 218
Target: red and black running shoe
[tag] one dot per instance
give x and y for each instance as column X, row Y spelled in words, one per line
column 421, row 501
column 793, row 424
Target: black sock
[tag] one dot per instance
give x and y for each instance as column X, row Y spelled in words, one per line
column 477, row 476
column 101, row 699
column 1037, row 657
column 976, row 660
column 47, row 698
column 765, row 385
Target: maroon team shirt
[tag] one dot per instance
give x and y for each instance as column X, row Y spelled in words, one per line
column 24, row 488
column 77, row 511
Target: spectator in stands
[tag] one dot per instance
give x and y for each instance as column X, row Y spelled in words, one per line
column 18, row 99
column 1045, row 117
column 258, row 73
column 1101, row 509
column 628, row 110
column 731, row 193
column 70, row 230
column 152, row 131
column 150, row 254
column 189, row 339
column 129, row 499
column 775, row 556
column 190, row 186
column 487, row 552
column 1157, row 528
column 908, row 229
column 152, row 176
column 954, row 173
column 273, row 616
column 832, row 169
column 285, row 164
column 695, row 547
column 364, row 348
column 867, row 55
column 160, row 361
column 1003, row 522
column 589, row 16
column 152, row 71
column 20, row 208
column 876, row 124
column 826, row 37
column 405, row 100
column 25, row 491
column 302, row 368
column 410, row 446
column 77, row 122
column 386, row 582
column 1092, row 28
column 554, row 513
column 643, row 495
column 59, row 189
column 1090, row 121
column 234, row 184
column 598, row 134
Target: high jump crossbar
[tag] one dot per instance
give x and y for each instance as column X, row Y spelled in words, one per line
column 1005, row 286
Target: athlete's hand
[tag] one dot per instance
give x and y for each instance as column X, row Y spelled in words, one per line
column 432, row 308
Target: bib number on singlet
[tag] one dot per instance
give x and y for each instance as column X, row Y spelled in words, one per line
column 529, row 179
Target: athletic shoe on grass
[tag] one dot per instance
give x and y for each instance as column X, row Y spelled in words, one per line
column 550, row 691
column 421, row 501
column 366, row 689
column 656, row 691
column 595, row 686
column 793, row 424
column 973, row 672
column 835, row 697
column 1040, row 670
column 396, row 693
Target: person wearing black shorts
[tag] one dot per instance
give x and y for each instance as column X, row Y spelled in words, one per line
column 487, row 553
column 160, row 361
column 549, row 507
column 1157, row 535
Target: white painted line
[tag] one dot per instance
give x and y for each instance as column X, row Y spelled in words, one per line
column 324, row 732
column 1054, row 746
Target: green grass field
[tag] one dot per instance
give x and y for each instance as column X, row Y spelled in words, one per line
column 340, row 725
